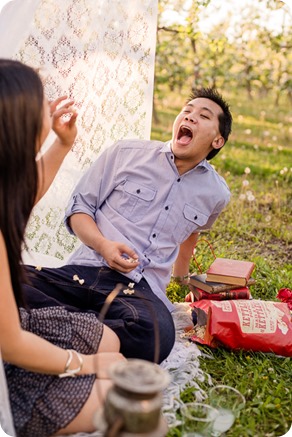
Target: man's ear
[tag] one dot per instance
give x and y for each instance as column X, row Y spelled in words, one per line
column 218, row 142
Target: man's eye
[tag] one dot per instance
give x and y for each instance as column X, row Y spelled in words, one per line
column 205, row 116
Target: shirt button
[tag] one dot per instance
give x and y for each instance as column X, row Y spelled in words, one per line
column 142, row 270
column 195, row 218
column 171, row 157
column 154, row 235
column 138, row 191
column 166, row 208
column 178, row 180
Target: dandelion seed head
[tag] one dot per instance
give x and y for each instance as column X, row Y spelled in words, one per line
column 247, row 170
column 251, row 198
column 245, row 183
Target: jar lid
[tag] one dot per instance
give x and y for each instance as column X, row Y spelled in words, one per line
column 139, row 376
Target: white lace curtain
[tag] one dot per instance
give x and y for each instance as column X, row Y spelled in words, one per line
column 101, row 53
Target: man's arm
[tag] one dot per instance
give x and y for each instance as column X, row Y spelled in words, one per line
column 181, row 266
column 66, row 131
column 118, row 256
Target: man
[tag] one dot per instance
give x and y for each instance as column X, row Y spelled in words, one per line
column 138, row 211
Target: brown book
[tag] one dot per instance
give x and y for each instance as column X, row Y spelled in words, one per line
column 230, row 271
column 238, row 293
column 200, row 282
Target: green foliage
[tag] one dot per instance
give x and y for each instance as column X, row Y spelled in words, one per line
column 256, row 226
column 248, row 53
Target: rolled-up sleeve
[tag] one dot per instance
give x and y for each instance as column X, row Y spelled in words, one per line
column 93, row 187
column 77, row 204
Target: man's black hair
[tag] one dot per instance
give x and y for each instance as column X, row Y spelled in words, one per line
column 225, row 118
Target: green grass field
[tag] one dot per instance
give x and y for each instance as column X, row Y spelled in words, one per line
column 257, row 165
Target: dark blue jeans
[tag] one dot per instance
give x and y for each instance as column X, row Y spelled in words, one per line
column 141, row 320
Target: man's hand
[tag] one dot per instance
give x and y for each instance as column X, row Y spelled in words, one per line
column 119, row 256
column 64, row 121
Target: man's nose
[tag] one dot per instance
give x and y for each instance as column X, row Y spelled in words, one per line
column 190, row 118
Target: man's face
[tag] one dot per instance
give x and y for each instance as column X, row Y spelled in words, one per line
column 196, row 132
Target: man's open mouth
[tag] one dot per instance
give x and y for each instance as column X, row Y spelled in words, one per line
column 185, row 135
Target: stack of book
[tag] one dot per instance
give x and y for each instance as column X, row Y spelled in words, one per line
column 225, row 279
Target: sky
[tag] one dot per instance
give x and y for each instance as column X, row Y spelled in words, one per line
column 217, row 10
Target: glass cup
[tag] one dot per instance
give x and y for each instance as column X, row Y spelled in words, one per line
column 197, row 419
column 228, row 401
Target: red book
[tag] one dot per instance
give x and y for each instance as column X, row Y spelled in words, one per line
column 238, row 293
column 230, row 271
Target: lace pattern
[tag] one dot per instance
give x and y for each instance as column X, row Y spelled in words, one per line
column 102, row 55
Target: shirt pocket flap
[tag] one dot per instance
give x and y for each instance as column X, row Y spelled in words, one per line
column 139, row 191
column 194, row 215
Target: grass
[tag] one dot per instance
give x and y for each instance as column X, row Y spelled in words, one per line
column 256, row 163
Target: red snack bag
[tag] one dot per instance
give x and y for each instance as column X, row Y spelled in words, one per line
column 256, row 325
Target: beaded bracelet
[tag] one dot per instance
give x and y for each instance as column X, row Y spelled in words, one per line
column 71, row 372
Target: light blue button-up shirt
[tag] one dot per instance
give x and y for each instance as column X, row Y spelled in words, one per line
column 135, row 194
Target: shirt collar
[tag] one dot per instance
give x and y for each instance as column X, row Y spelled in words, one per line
column 167, row 149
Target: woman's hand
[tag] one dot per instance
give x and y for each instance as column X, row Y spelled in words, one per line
column 103, row 361
column 64, row 120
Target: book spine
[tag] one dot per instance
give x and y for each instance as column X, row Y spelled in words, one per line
column 224, row 295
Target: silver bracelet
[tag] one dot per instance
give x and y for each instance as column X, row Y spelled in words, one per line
column 72, row 372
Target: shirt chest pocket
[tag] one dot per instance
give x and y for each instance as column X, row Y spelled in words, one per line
column 135, row 200
column 193, row 220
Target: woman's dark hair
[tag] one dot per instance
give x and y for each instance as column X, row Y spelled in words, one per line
column 21, row 114
column 225, row 119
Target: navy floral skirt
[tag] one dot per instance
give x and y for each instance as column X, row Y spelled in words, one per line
column 43, row 404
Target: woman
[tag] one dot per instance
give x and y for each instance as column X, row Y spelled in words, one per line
column 56, row 378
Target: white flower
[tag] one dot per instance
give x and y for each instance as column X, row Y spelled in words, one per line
column 250, row 198
column 247, row 170
column 247, row 131
column 131, row 284
column 242, row 196
column 245, row 183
